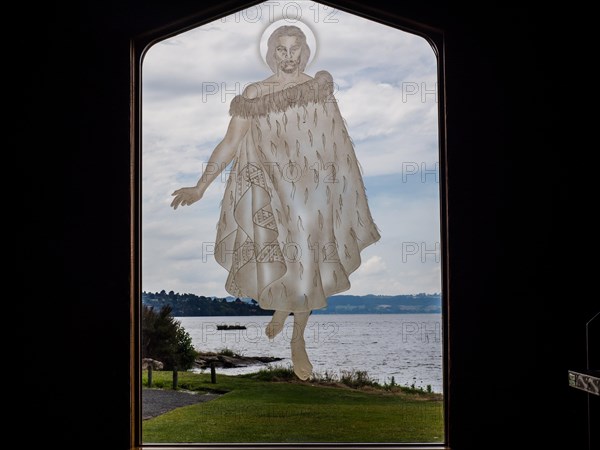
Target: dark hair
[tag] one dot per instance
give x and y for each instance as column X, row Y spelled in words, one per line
column 287, row 30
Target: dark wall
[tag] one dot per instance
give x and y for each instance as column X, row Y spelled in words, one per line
column 516, row 163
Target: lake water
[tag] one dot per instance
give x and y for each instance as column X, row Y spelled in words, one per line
column 405, row 346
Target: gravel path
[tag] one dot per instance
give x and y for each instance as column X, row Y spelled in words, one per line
column 158, row 401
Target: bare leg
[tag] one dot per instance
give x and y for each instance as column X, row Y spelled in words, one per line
column 276, row 325
column 302, row 365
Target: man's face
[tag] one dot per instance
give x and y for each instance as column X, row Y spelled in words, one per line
column 287, row 53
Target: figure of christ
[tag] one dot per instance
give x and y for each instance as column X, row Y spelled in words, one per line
column 294, row 216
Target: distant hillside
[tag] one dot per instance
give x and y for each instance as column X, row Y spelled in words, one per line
column 193, row 305
column 383, row 304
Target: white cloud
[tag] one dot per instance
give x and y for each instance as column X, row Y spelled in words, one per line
column 375, row 264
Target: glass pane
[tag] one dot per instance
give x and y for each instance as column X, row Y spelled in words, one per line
column 318, row 149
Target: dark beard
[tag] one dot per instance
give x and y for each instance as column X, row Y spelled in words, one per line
column 289, row 66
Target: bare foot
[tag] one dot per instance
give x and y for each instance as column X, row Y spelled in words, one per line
column 302, row 366
column 275, row 326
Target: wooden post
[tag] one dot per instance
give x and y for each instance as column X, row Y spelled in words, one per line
column 150, row 375
column 213, row 373
column 175, row 377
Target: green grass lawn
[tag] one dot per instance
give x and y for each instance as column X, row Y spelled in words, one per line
column 257, row 411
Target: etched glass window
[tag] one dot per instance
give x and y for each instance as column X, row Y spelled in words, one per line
column 291, row 257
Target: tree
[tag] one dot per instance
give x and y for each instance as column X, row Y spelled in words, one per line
column 164, row 339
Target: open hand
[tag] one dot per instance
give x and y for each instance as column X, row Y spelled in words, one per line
column 186, row 196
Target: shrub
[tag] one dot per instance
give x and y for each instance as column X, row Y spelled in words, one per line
column 274, row 373
column 357, row 379
column 324, row 377
column 164, row 339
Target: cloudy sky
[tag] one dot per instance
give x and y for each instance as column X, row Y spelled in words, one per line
column 385, row 82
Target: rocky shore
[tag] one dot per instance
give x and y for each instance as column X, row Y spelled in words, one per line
column 204, row 360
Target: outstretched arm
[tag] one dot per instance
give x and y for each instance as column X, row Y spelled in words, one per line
column 221, row 156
